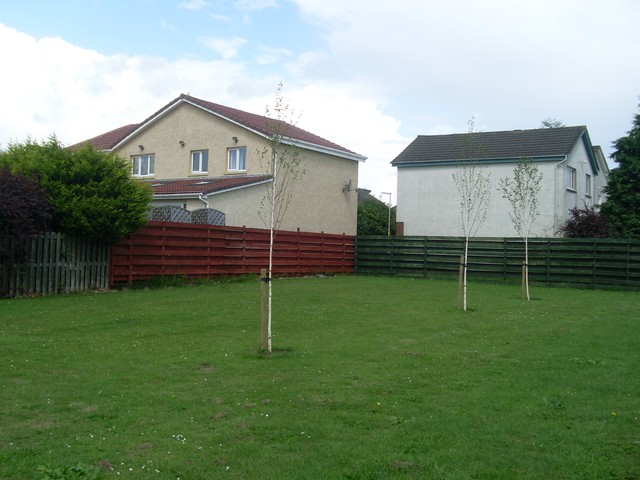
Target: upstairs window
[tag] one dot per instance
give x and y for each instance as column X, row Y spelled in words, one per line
column 200, row 161
column 571, row 178
column 143, row 165
column 587, row 185
column 237, row 159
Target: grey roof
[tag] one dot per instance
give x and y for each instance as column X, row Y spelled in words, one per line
column 540, row 144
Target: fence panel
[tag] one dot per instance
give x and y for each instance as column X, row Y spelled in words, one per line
column 56, row 264
column 589, row 262
column 204, row 251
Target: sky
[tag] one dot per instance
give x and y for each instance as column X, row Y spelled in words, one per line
column 367, row 75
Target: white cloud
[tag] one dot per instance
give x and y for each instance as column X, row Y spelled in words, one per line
column 194, row 4
column 227, row 48
column 268, row 55
column 56, row 87
column 510, row 63
column 251, row 5
column 167, row 26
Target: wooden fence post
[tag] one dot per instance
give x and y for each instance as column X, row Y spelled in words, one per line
column 263, row 308
column 460, row 283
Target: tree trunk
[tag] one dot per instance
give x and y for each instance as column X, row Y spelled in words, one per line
column 526, row 266
column 271, row 238
column 464, row 275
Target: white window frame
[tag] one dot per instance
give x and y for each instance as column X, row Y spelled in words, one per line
column 588, row 185
column 237, row 159
column 571, row 179
column 141, row 169
column 200, row 161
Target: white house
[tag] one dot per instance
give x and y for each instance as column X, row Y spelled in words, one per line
column 574, row 174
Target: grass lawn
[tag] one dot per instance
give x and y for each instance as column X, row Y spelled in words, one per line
column 374, row 378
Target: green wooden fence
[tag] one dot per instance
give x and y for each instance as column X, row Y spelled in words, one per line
column 56, row 264
column 586, row 262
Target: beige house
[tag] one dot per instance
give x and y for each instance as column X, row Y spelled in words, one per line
column 197, row 154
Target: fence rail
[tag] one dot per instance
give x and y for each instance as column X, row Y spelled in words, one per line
column 56, row 264
column 202, row 251
column 60, row 264
column 588, row 262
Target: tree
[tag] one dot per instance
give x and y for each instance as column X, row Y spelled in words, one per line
column 522, row 193
column 473, row 187
column 373, row 217
column 587, row 222
column 91, row 193
column 284, row 164
column 24, row 211
column 622, row 208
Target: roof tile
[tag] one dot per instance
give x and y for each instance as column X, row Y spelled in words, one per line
column 514, row 144
column 259, row 123
column 204, row 185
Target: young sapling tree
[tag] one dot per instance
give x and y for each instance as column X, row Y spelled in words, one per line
column 282, row 160
column 522, row 193
column 473, row 188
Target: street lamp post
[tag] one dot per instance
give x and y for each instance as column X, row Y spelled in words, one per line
column 389, row 220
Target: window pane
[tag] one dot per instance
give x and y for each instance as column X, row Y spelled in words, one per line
column 136, row 165
column 233, row 161
column 571, row 178
column 152, row 161
column 243, row 158
column 195, row 161
column 204, row 160
column 145, row 165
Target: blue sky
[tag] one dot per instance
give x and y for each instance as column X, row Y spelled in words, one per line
column 367, row 75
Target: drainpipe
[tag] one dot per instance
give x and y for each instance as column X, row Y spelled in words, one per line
column 556, row 227
column 204, row 200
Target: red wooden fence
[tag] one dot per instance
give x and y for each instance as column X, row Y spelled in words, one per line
column 204, row 251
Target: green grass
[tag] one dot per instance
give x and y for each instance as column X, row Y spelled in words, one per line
column 373, row 378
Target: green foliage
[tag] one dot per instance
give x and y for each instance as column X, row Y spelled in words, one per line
column 282, row 159
column 75, row 472
column 24, row 211
column 373, row 218
column 622, row 207
column 587, row 222
column 522, row 193
column 91, row 193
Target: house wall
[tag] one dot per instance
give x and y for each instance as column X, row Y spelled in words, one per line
column 199, row 130
column 429, row 203
column 318, row 204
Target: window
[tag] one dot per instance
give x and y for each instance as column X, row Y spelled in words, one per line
column 587, row 185
column 143, row 165
column 571, row 178
column 200, row 161
column 237, row 159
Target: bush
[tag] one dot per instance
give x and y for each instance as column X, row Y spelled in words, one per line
column 24, row 211
column 586, row 222
column 373, row 218
column 91, row 193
